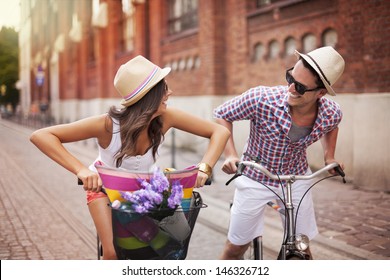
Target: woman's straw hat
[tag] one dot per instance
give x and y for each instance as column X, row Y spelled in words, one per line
column 328, row 63
column 136, row 77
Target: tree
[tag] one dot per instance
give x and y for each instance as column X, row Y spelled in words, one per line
column 9, row 66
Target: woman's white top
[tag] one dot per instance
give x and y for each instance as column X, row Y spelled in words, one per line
column 107, row 156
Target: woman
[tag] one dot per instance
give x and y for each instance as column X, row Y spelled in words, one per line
column 129, row 137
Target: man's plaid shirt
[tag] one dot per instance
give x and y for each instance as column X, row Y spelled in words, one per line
column 268, row 142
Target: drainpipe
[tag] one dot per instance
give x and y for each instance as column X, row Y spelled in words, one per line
column 147, row 30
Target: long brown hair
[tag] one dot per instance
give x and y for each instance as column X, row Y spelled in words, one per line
column 137, row 117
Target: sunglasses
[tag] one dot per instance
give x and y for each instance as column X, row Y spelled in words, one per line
column 301, row 89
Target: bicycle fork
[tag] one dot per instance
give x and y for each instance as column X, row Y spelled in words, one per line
column 290, row 229
column 294, row 245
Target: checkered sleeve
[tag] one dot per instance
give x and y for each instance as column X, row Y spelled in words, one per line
column 332, row 115
column 242, row 107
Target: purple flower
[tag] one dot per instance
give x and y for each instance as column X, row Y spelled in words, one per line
column 139, row 208
column 154, row 194
column 176, row 195
column 159, row 182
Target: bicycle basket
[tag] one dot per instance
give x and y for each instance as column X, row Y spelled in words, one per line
column 162, row 234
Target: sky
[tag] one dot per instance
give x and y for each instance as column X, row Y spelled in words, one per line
column 9, row 13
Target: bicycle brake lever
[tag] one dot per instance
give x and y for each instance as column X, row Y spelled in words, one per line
column 341, row 173
column 240, row 168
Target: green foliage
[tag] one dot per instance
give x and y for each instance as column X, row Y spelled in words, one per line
column 9, row 65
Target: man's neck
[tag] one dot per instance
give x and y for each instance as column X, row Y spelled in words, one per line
column 304, row 116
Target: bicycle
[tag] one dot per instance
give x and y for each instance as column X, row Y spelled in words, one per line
column 159, row 233
column 293, row 245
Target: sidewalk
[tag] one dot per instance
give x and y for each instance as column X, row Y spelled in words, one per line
column 354, row 224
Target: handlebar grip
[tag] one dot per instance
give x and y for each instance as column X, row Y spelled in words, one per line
column 80, row 183
column 340, row 171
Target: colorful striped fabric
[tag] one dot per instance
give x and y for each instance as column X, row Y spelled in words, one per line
column 118, row 180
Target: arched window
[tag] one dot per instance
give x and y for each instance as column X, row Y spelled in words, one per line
column 190, row 63
column 329, row 37
column 182, row 64
column 274, row 49
column 290, row 46
column 309, row 43
column 258, row 52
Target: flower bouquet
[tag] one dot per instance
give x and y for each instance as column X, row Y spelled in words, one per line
column 156, row 197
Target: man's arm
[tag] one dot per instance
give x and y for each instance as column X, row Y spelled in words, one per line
column 328, row 142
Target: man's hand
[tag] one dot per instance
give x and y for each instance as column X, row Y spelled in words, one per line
column 332, row 171
column 229, row 165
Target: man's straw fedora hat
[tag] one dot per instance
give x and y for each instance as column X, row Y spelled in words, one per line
column 136, row 77
column 328, row 63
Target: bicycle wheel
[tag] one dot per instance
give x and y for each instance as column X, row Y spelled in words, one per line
column 255, row 250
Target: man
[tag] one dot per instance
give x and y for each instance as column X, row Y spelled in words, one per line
column 284, row 121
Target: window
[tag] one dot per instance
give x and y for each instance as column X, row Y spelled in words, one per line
column 258, row 52
column 274, row 49
column 309, row 43
column 290, row 46
column 329, row 38
column 127, row 26
column 183, row 15
column 262, row 3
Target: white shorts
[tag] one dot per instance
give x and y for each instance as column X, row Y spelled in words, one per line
column 250, row 200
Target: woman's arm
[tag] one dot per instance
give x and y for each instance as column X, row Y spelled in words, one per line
column 230, row 152
column 217, row 134
column 50, row 141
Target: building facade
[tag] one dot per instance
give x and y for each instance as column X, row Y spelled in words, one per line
column 70, row 51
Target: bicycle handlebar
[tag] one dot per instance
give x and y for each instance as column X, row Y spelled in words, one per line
column 242, row 164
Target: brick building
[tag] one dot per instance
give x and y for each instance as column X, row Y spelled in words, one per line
column 216, row 49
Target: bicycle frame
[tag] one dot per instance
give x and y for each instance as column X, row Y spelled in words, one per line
column 289, row 246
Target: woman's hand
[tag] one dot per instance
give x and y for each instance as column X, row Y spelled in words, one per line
column 201, row 179
column 91, row 180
